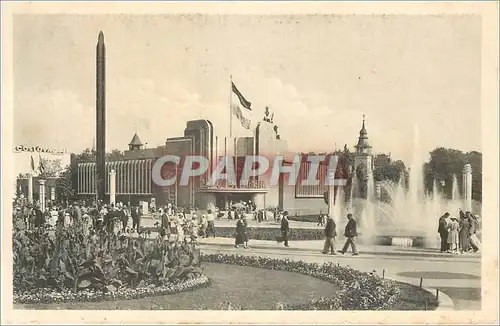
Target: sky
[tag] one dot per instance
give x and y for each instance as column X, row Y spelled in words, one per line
column 319, row 74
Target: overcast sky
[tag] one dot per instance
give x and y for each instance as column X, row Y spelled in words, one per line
column 319, row 74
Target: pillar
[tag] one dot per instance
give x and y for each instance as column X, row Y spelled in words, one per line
column 259, row 200
column 52, row 193
column 30, row 188
column 330, row 177
column 467, row 186
column 112, row 187
column 331, row 202
column 42, row 195
column 100, row 116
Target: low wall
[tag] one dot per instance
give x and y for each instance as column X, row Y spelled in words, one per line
column 302, row 206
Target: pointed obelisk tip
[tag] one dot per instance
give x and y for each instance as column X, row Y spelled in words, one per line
column 101, row 37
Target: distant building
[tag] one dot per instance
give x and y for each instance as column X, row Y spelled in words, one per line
column 51, row 191
column 134, row 173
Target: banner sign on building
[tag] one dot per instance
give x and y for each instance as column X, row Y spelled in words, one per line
column 38, row 149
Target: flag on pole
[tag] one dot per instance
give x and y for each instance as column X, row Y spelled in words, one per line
column 41, row 165
column 241, row 108
column 32, row 164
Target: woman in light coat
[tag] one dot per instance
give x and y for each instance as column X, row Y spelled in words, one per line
column 86, row 224
column 67, row 220
column 453, row 232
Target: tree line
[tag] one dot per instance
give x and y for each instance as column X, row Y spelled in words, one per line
column 443, row 164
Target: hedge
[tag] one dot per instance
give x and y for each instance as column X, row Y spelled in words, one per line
column 266, row 233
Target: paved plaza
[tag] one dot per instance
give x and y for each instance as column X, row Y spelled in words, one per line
column 458, row 276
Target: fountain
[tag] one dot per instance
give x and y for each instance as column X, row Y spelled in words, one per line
column 455, row 193
column 410, row 215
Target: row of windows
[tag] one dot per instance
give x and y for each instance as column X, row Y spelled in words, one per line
column 132, row 177
column 302, row 190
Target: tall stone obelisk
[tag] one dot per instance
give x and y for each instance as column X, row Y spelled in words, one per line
column 100, row 117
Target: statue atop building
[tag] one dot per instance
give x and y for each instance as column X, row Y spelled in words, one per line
column 276, row 131
column 268, row 117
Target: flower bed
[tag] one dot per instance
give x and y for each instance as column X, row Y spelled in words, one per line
column 66, row 264
column 359, row 291
column 124, row 293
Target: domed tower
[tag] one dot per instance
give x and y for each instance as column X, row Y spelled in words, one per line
column 135, row 144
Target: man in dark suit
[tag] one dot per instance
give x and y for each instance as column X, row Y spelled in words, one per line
column 443, row 232
column 330, row 234
column 39, row 219
column 285, row 229
column 350, row 234
column 136, row 220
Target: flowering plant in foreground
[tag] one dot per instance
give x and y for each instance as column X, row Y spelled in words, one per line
column 124, row 293
column 358, row 290
column 50, row 267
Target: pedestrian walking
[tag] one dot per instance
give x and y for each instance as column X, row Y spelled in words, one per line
column 350, row 233
column 285, row 229
column 330, row 234
column 210, row 223
column 135, row 218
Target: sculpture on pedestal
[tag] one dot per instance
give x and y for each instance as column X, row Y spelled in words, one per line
column 266, row 115
column 276, row 131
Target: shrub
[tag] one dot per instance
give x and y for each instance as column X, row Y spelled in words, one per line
column 255, row 233
column 267, row 233
column 68, row 261
column 304, row 218
column 359, row 291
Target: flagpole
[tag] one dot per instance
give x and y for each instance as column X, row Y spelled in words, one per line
column 230, row 108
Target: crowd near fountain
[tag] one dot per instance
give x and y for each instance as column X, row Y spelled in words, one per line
column 409, row 212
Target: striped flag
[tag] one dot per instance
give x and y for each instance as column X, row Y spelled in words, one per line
column 241, row 108
column 32, row 164
column 41, row 165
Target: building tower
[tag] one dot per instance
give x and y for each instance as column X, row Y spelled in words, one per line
column 135, row 144
column 363, row 162
column 100, row 117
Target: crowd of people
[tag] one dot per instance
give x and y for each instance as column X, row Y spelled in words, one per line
column 459, row 234
column 89, row 217
column 185, row 223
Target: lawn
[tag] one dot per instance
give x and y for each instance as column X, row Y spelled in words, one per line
column 247, row 287
column 413, row 298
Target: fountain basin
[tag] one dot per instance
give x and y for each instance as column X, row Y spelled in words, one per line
column 400, row 241
column 397, row 238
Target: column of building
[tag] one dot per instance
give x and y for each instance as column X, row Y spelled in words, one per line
column 42, row 195
column 467, row 186
column 112, row 187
